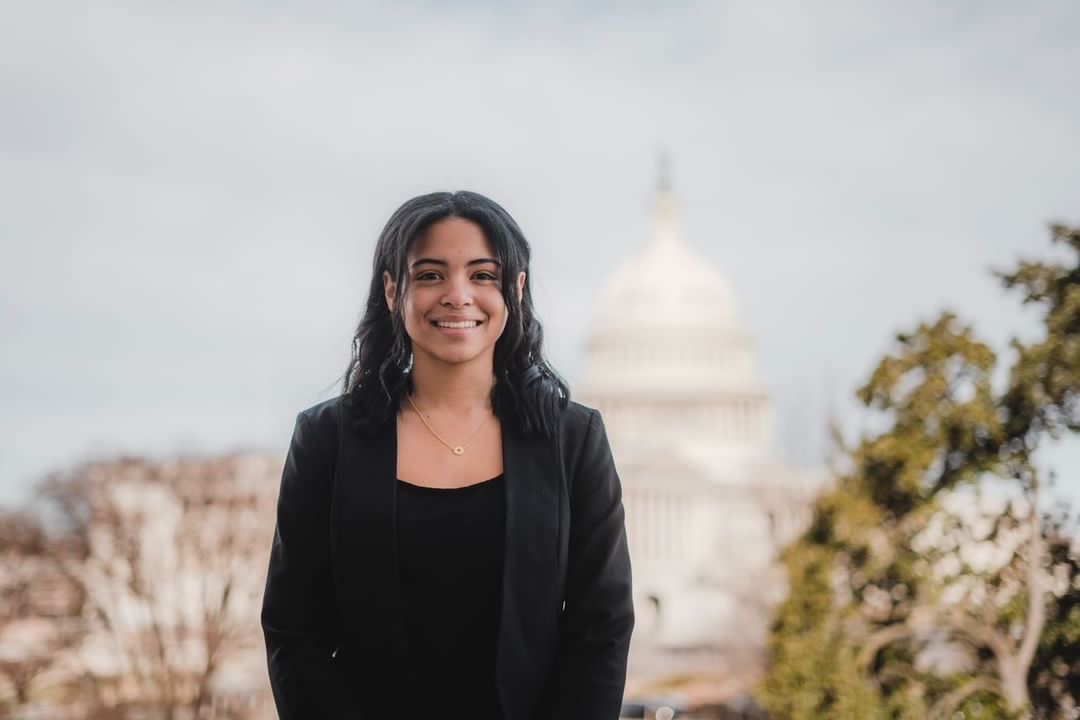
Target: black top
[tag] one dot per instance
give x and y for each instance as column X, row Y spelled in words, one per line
column 450, row 556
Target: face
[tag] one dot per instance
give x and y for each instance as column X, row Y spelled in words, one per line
column 453, row 306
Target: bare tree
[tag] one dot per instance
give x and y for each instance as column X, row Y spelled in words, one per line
column 172, row 571
column 39, row 606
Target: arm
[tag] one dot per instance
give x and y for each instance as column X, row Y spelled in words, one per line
column 594, row 637
column 298, row 612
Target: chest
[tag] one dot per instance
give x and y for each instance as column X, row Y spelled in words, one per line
column 424, row 458
column 370, row 562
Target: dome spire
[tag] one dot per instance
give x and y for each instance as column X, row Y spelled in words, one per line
column 665, row 230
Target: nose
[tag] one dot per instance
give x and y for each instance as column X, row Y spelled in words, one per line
column 458, row 294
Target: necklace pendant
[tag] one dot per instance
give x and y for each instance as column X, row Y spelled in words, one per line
column 459, row 450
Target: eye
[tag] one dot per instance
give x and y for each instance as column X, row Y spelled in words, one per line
column 486, row 275
column 427, row 275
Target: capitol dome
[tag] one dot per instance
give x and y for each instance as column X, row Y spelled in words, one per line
column 707, row 504
column 667, row 285
column 667, row 321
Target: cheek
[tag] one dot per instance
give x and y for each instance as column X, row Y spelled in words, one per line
column 412, row 316
column 414, row 305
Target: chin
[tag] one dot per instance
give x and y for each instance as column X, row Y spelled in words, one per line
column 455, row 356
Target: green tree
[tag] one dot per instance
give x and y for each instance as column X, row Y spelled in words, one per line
column 908, row 600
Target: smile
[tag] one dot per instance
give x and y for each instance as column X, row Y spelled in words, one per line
column 458, row 325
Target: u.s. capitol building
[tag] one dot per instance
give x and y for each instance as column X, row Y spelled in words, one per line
column 708, row 505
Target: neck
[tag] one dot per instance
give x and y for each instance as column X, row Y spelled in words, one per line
column 454, row 388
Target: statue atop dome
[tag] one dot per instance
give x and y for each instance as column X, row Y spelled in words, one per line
column 665, row 213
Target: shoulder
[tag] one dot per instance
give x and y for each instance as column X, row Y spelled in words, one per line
column 324, row 411
column 580, row 427
column 320, row 422
column 586, row 454
column 577, row 418
column 309, row 463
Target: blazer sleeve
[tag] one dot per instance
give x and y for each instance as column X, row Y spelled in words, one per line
column 298, row 611
column 598, row 617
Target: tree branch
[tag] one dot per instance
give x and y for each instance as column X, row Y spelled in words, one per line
column 947, row 705
column 1036, row 599
column 880, row 639
column 997, row 641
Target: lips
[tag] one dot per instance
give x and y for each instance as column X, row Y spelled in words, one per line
column 456, row 324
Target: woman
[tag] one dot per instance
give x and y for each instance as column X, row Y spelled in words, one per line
column 450, row 536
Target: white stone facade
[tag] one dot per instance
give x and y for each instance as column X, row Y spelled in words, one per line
column 707, row 505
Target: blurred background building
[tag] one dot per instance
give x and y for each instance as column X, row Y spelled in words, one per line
column 708, row 502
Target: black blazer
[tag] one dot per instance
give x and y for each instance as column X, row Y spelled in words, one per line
column 331, row 616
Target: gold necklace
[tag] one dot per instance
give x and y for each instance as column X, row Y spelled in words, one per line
column 456, row 449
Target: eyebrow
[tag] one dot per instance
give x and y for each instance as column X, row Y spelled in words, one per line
column 443, row 263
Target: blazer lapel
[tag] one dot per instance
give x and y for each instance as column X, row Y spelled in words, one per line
column 366, row 558
column 533, row 515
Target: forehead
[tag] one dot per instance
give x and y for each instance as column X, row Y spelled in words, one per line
column 452, row 239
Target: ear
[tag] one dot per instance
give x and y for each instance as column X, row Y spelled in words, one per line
column 520, row 285
column 389, row 290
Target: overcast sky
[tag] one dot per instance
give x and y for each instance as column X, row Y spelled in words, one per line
column 191, row 193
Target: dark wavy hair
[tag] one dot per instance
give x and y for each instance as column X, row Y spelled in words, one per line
column 528, row 393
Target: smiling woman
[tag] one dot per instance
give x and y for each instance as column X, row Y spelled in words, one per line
column 455, row 311
column 450, row 533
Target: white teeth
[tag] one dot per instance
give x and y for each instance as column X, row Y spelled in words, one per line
column 458, row 325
